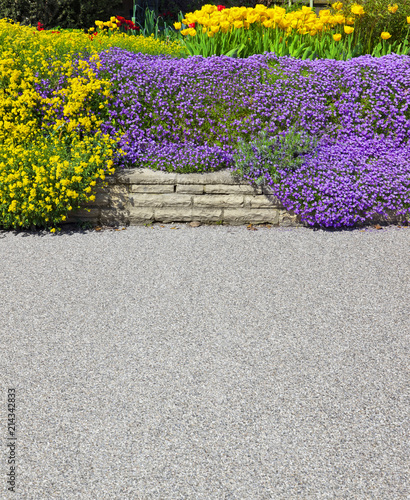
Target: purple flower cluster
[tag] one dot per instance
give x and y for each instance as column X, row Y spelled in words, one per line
column 347, row 182
column 192, row 114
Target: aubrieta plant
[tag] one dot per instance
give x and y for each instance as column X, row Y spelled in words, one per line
column 198, row 113
column 260, row 160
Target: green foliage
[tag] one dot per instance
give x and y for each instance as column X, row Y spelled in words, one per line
column 377, row 19
column 266, row 155
column 153, row 25
column 62, row 13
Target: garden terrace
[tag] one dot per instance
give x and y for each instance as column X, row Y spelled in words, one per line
column 328, row 139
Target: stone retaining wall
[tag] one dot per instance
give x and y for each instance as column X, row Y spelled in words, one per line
column 139, row 196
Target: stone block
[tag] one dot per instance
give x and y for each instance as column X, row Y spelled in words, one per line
column 231, row 189
column 203, row 214
column 140, row 215
column 102, row 199
column 110, row 179
column 220, row 177
column 159, row 200
column 118, row 195
column 190, row 188
column 218, row 201
column 145, row 176
column 84, row 214
column 173, row 214
column 262, row 201
column 287, row 219
column 152, row 188
column 251, row 216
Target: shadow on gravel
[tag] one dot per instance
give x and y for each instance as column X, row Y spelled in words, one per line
column 66, row 229
column 86, row 228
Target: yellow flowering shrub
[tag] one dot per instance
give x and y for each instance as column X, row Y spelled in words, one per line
column 45, row 178
column 51, row 149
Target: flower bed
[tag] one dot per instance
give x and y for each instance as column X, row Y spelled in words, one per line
column 329, row 138
column 338, row 121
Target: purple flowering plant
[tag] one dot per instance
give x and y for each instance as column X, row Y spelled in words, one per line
column 330, row 137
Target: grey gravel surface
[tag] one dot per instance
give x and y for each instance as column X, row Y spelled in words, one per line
column 207, row 363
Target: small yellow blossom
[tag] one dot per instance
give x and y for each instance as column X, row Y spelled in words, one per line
column 385, row 35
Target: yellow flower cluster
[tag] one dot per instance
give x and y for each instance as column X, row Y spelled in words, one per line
column 210, row 20
column 40, row 182
column 51, row 152
column 111, row 37
column 111, row 24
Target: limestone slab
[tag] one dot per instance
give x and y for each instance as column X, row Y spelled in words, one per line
column 220, row 177
column 218, row 201
column 254, row 216
column 145, row 176
column 140, row 215
column 262, row 201
column 102, row 199
column 190, row 188
column 172, row 214
column 159, row 200
column 207, row 214
column 152, row 188
column 231, row 189
column 82, row 213
column 287, row 219
column 113, row 216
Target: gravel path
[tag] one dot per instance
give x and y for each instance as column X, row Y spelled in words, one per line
column 207, row 363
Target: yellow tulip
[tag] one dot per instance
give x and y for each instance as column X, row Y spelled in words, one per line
column 357, row 10
column 408, row 20
column 348, row 30
column 350, row 21
column 177, row 26
column 337, row 5
column 324, row 13
column 209, row 8
column 393, row 8
column 385, row 35
column 337, row 37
